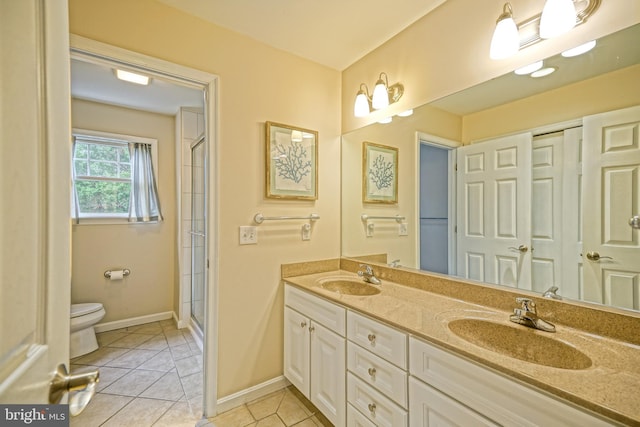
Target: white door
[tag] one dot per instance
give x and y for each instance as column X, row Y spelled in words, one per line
column 296, row 349
column 35, row 233
column 611, row 195
column 328, row 388
column 494, row 223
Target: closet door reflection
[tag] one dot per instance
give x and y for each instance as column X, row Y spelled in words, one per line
column 198, row 232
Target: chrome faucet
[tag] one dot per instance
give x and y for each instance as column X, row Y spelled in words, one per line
column 368, row 275
column 395, row 263
column 551, row 293
column 527, row 315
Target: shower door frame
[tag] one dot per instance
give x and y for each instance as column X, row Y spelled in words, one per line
column 197, row 233
column 94, row 51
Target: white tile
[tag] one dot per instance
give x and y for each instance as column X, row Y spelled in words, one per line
column 132, row 358
column 189, row 125
column 133, row 383
column 140, row 412
column 162, row 361
column 179, row 415
column 168, row 387
column 100, row 409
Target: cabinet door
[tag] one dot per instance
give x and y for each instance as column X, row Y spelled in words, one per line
column 296, row 349
column 328, row 388
column 430, row 408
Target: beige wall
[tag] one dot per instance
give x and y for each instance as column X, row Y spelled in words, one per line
column 612, row 91
column 257, row 84
column 448, row 50
column 148, row 250
column 401, row 133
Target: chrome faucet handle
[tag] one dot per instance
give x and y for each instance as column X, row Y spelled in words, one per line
column 367, row 270
column 552, row 293
column 528, row 305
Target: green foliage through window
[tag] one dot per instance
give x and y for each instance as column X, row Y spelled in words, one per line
column 102, row 177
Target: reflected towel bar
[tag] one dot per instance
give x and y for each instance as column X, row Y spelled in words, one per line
column 398, row 218
column 259, row 218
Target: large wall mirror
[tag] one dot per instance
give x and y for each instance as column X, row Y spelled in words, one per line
column 519, row 181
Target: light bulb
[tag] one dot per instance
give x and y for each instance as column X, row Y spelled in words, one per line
column 380, row 96
column 506, row 40
column 361, row 106
column 558, row 17
column 579, row 50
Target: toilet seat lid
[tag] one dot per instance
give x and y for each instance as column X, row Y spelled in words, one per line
column 86, row 308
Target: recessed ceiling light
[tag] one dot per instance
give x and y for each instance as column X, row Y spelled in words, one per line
column 128, row 76
column 543, row 72
column 405, row 113
column 528, row 69
column 386, row 120
column 579, row 50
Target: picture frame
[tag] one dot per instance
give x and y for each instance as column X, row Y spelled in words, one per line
column 291, row 162
column 379, row 173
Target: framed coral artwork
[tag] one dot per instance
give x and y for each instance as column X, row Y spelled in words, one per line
column 292, row 162
column 379, row 173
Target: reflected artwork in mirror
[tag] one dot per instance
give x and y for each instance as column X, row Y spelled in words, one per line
column 545, row 186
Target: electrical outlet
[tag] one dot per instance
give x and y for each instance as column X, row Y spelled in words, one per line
column 248, row 235
column 402, row 229
column 370, row 228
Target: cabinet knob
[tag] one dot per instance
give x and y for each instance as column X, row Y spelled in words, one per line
column 372, row 372
column 312, row 328
column 372, row 408
column 303, row 324
column 372, row 338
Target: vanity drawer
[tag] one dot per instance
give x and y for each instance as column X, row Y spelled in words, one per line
column 327, row 314
column 356, row 419
column 382, row 340
column 495, row 396
column 378, row 373
column 379, row 409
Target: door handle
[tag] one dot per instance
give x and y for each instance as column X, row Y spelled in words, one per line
column 521, row 248
column 84, row 384
column 634, row 221
column 595, row 256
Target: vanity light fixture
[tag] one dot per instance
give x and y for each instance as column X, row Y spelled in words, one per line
column 383, row 95
column 579, row 50
column 130, row 77
column 556, row 18
column 505, row 41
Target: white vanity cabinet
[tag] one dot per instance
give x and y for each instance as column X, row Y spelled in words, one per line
column 377, row 376
column 447, row 390
column 314, row 351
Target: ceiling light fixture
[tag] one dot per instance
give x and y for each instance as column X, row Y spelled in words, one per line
column 557, row 17
column 383, row 96
column 579, row 50
column 128, row 76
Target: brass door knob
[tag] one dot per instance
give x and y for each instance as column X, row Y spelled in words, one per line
column 595, row 256
column 63, row 382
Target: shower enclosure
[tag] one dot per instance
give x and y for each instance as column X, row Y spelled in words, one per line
column 198, row 232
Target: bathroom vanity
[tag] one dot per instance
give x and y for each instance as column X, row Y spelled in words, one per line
column 400, row 354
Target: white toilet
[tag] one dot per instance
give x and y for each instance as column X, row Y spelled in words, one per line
column 83, row 336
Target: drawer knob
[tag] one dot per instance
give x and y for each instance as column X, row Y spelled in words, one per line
column 303, row 324
column 372, row 338
column 312, row 328
column 372, row 372
column 372, row 408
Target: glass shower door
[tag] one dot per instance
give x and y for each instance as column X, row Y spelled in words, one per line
column 198, row 232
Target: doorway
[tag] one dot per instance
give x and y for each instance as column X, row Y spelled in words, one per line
column 436, row 211
column 205, row 83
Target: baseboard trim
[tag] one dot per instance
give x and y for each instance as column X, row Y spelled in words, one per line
column 252, row 393
column 133, row 321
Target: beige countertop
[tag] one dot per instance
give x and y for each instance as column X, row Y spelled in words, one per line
column 610, row 386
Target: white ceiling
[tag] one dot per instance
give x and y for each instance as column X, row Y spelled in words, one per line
column 335, row 33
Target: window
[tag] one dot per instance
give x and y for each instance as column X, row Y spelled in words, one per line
column 104, row 177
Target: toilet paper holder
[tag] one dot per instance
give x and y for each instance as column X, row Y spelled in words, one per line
column 125, row 272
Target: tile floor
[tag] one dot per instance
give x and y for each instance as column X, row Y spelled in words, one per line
column 151, row 375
